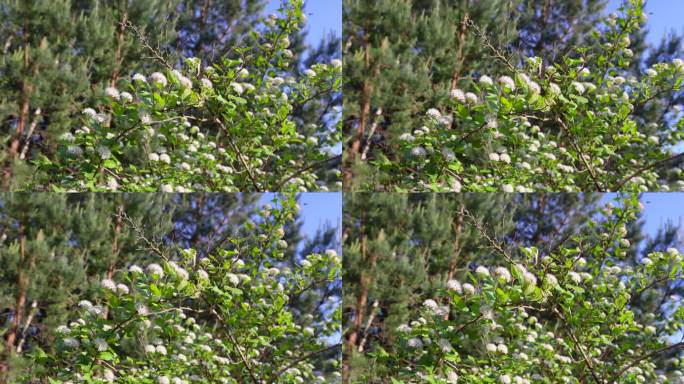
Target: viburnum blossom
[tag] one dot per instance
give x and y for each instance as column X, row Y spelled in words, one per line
column 568, row 314
column 154, row 332
column 232, row 125
column 566, row 126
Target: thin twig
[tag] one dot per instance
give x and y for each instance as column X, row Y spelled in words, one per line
column 581, row 155
column 646, row 168
column 300, row 359
column 146, row 44
column 239, row 154
column 644, row 357
column 32, row 127
column 483, row 231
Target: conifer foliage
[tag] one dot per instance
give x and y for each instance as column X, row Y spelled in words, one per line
column 482, row 288
column 199, row 95
column 164, row 288
column 583, row 114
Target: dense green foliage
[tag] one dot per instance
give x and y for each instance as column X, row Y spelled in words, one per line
column 173, row 95
column 591, row 112
column 242, row 270
column 401, row 250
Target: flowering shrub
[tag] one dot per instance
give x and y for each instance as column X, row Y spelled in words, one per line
column 568, row 126
column 225, row 318
column 565, row 317
column 228, row 126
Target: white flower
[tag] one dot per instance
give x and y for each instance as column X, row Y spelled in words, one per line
column 678, row 63
column 533, row 88
column 164, row 158
column 108, row 375
column 578, row 87
column 530, row 278
column 494, row 156
column 650, row 330
column 551, row 280
column 153, row 157
column 502, row 274
column 100, row 344
column 159, row 78
column 456, row 186
column 415, row 343
column 584, row 72
column 126, row 97
column 185, row 82
column 108, row 284
column 149, row 348
column 491, row 348
column 161, row 350
column 70, row 342
column 310, row 73
column 135, row 269
column 434, row 113
column 242, row 73
column 431, row 305
column 141, row 309
column 452, row 377
column 507, row 83
column 206, row 83
column 471, row 98
column 505, row 158
column 112, row 92
column 336, row 63
column 454, row 285
column 575, row 277
column 505, row 379
column 163, row 380
column 202, row 274
column 486, row 80
column 237, row 87
column 418, row 151
column 233, row 278
column 651, row 72
column 89, row 112
column 407, row 137
column 140, row 77
column 647, row 261
column 554, row 89
column 508, row 188
column 458, row 95
column 468, row 289
column 482, row 271
column 155, row 269
column 444, row 345
column 85, row 304
column 502, row 349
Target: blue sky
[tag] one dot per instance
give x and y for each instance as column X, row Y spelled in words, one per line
column 325, row 17
column 659, row 208
column 319, row 210
column 664, row 16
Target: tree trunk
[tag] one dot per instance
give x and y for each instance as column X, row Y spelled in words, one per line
column 365, row 282
column 366, row 96
column 458, row 62
column 115, row 249
column 24, row 107
column 118, row 55
column 458, row 230
column 22, row 287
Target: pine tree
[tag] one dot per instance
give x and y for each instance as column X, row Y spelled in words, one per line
column 400, row 250
column 58, row 55
column 403, row 55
